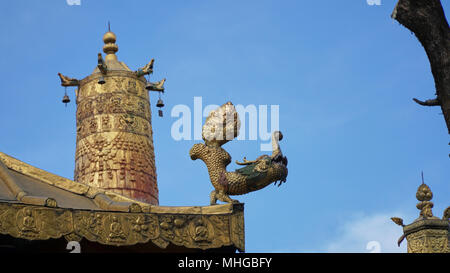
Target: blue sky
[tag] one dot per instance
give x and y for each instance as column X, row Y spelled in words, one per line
column 342, row 72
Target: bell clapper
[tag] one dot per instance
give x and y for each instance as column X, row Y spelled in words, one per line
column 160, row 104
column 66, row 98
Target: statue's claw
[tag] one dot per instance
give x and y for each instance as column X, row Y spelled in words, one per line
column 213, row 198
column 221, row 196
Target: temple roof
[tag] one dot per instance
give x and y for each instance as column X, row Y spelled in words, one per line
column 38, row 205
column 23, row 183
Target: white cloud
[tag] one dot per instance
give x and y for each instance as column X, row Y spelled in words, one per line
column 368, row 233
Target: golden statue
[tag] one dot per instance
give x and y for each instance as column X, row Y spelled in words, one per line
column 101, row 64
column 221, row 126
column 157, row 86
column 66, row 81
column 147, row 69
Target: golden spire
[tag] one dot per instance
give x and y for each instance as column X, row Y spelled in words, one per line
column 424, row 195
column 110, row 48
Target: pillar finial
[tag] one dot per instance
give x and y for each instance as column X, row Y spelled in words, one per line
column 110, row 47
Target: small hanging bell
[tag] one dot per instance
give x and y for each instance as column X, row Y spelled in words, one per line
column 101, row 80
column 66, row 99
column 160, row 103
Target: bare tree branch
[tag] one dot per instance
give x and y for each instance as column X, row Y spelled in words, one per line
column 426, row 19
column 433, row 102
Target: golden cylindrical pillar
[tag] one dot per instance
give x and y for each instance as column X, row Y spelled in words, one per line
column 114, row 148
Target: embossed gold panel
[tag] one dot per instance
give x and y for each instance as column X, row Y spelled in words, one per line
column 114, row 136
column 203, row 231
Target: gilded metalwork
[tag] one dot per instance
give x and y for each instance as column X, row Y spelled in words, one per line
column 398, row 221
column 66, row 81
column 147, row 69
column 101, row 64
column 446, row 215
column 117, row 161
column 156, row 86
column 221, row 126
column 427, row 234
column 114, row 133
column 428, row 240
column 424, row 195
column 201, row 231
column 119, row 103
column 34, row 223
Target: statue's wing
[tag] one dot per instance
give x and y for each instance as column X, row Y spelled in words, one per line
column 222, row 125
column 254, row 174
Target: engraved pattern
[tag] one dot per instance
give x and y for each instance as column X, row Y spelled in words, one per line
column 117, row 163
column 428, row 241
column 114, row 138
column 111, row 103
column 114, row 123
column 119, row 229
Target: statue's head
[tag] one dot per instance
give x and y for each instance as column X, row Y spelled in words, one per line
column 278, row 135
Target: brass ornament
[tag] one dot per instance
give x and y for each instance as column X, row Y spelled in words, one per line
column 424, row 195
column 221, row 126
column 446, row 214
column 427, row 234
column 146, row 70
column 428, row 241
column 203, row 231
column 66, row 81
column 114, row 136
column 398, row 221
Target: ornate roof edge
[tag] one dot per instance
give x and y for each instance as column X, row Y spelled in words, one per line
column 103, row 199
column 433, row 223
column 201, row 231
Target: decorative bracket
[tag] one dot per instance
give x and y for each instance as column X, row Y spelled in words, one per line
column 101, row 64
column 146, row 70
column 156, row 86
column 66, row 81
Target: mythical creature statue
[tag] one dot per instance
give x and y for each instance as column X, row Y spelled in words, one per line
column 157, row 86
column 147, row 69
column 221, row 126
column 66, row 81
column 101, row 64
